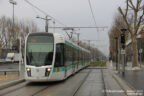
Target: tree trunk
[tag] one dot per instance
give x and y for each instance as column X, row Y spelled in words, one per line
column 135, row 52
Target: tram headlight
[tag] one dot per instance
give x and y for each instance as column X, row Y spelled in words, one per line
column 48, row 69
column 28, row 69
column 28, row 72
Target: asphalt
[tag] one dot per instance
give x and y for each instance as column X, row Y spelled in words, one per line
column 96, row 84
column 135, row 78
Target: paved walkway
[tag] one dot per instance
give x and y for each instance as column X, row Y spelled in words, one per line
column 135, row 78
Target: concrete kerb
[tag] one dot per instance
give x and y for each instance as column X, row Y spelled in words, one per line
column 127, row 88
column 11, row 83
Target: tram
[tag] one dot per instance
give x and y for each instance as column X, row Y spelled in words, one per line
column 50, row 57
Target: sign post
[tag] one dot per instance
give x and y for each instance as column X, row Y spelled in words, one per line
column 140, row 52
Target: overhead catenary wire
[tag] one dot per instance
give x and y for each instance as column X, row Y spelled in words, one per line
column 93, row 17
column 44, row 12
column 92, row 12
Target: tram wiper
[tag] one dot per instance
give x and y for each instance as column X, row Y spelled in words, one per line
column 39, row 54
column 31, row 57
column 27, row 56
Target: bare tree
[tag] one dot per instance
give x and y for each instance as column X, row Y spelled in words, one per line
column 9, row 33
column 137, row 6
column 115, row 33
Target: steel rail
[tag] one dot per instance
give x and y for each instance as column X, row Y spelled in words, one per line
column 104, row 87
column 81, row 83
column 39, row 91
column 45, row 88
column 22, row 85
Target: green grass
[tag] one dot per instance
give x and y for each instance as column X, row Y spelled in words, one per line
column 98, row 63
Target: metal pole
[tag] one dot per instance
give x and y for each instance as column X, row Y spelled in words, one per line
column 46, row 26
column 13, row 23
column 124, row 63
column 89, row 43
column 78, row 34
column 140, row 59
column 54, row 26
column 116, row 53
column 20, row 53
column 140, row 53
column 13, row 14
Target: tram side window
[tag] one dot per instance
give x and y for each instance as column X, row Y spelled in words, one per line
column 68, row 55
column 59, row 60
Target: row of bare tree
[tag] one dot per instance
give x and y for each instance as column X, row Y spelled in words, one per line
column 11, row 32
column 130, row 19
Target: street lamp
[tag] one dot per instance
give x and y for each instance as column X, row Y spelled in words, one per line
column 13, row 3
column 46, row 22
column 20, row 58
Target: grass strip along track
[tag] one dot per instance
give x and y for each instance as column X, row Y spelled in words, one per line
column 98, row 63
column 7, row 77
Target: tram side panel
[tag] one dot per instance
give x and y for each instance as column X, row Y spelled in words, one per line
column 68, row 59
column 59, row 67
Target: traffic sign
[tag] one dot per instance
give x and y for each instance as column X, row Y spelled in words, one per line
column 140, row 50
column 122, row 51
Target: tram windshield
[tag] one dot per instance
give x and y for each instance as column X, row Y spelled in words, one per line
column 39, row 51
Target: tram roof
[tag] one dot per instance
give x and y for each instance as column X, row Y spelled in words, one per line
column 70, row 43
column 67, row 42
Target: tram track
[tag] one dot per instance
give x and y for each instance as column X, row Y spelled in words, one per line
column 104, row 86
column 11, row 89
column 83, row 81
column 74, row 94
column 35, row 89
column 40, row 91
column 25, row 85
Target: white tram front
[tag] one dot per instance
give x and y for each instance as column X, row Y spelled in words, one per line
column 49, row 57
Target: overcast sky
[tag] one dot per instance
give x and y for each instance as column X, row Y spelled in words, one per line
column 71, row 13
